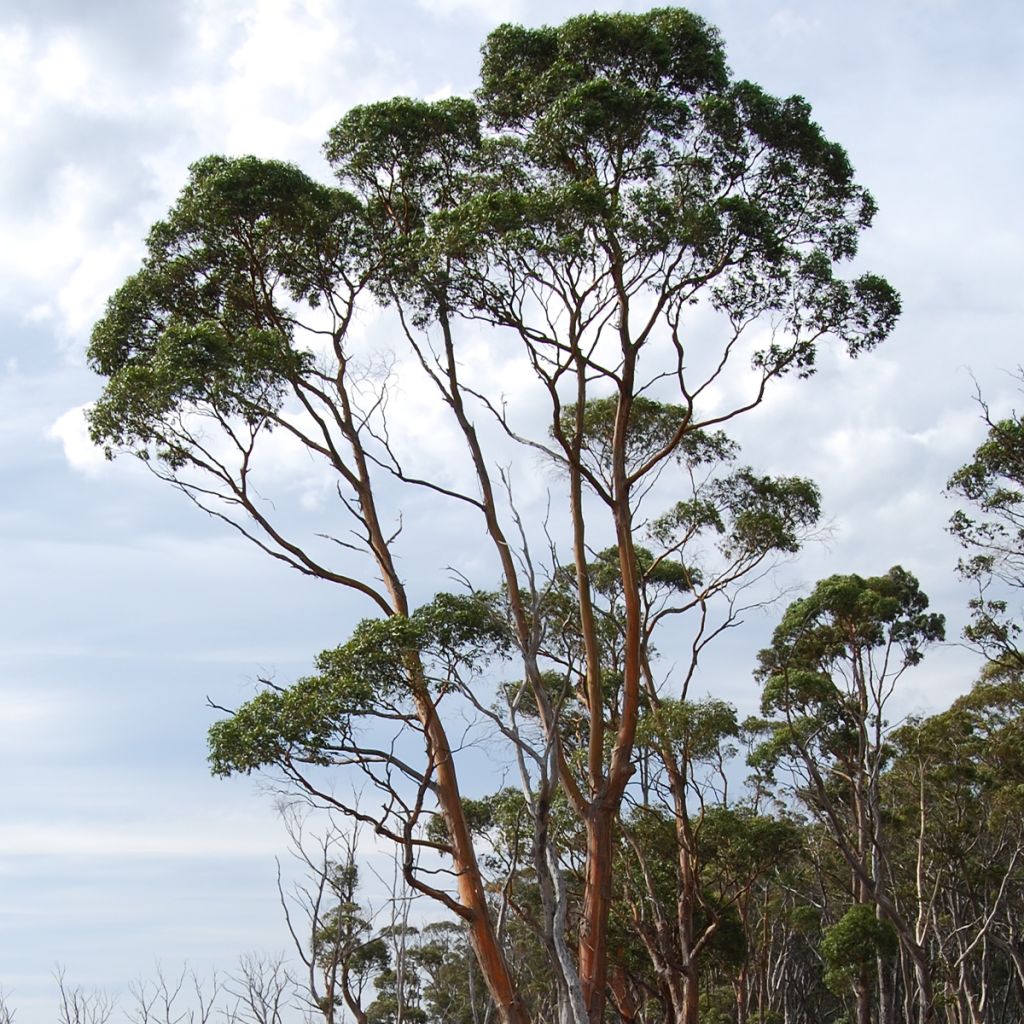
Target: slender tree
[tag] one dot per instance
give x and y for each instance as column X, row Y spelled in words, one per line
column 992, row 530
column 828, row 677
column 954, row 790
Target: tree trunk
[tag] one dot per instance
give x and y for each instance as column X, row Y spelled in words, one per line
column 691, row 996
column 740, row 987
column 923, row 977
column 625, row 1003
column 862, row 994
column 596, row 906
column 482, row 936
column 886, row 993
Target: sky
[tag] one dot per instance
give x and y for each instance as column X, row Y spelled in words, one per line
column 122, row 608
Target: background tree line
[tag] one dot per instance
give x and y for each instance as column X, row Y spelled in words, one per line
column 657, row 243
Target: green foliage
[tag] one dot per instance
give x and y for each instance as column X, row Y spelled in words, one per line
column 853, row 944
column 452, row 632
column 994, row 477
column 768, row 514
column 696, row 729
column 654, row 830
column 451, row 977
column 753, row 515
column 596, row 75
column 845, row 617
column 727, row 949
column 480, row 817
column 653, row 428
column 634, row 141
column 993, row 482
column 402, row 152
column 830, row 669
column 657, row 574
column 973, row 754
column 744, row 845
column 304, row 721
column 412, row 163
column 370, row 673
column 198, row 328
column 661, row 579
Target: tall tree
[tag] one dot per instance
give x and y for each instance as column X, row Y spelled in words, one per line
column 636, row 224
column 828, row 677
column 954, row 791
column 993, row 532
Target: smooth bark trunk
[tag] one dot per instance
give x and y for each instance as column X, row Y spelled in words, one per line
column 593, row 949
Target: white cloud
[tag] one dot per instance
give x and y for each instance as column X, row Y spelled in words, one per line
column 268, row 78
column 445, row 92
column 790, row 22
column 185, row 838
column 58, row 257
column 96, row 275
column 39, row 313
column 15, row 51
column 488, row 11
column 22, row 711
column 72, row 431
column 63, row 70
column 281, row 62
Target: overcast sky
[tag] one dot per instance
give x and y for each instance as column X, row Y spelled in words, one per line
column 121, row 607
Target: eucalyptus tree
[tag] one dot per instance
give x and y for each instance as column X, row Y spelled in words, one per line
column 785, row 925
column 673, row 905
column 332, row 933
column 993, row 532
column 708, row 548
column 955, row 794
column 625, row 219
column 828, row 677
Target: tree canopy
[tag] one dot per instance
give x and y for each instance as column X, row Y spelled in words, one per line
column 992, row 531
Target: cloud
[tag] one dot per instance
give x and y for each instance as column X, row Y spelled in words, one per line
column 275, row 60
column 99, row 141
column 64, row 71
column 72, row 431
column 186, row 838
column 790, row 22
column 29, row 719
column 488, row 11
